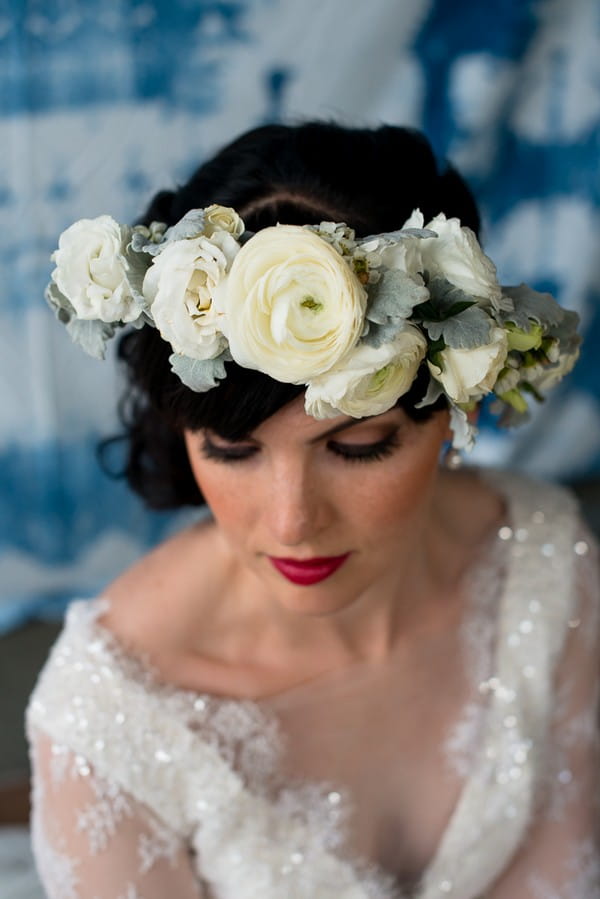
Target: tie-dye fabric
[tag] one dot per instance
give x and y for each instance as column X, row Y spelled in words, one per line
column 101, row 104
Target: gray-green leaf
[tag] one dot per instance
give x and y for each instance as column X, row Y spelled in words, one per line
column 191, row 225
column 393, row 297
column 199, row 375
column 445, row 295
column 470, row 328
column 532, row 305
column 434, row 392
column 378, row 335
column 59, row 304
column 91, row 335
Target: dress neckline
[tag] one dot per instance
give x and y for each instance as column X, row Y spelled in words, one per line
column 139, row 663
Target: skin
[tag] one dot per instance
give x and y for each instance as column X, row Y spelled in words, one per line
column 235, row 623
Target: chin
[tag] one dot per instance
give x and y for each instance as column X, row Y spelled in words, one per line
column 316, row 601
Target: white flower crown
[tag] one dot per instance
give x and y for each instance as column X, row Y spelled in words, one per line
column 352, row 319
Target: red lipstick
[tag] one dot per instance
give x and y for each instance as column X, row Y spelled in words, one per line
column 308, row 571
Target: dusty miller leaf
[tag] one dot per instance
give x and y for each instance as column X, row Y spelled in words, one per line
column 59, row 304
column 393, row 297
column 199, row 375
column 433, row 393
column 470, row 328
column 191, row 225
column 91, row 335
column 378, row 335
column 532, row 305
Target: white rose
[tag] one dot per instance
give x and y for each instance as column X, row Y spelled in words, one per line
column 294, row 306
column 467, row 375
column 182, row 286
column 222, row 218
column 369, row 380
column 93, row 270
column 455, row 254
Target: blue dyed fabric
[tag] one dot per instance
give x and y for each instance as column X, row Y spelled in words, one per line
column 101, row 104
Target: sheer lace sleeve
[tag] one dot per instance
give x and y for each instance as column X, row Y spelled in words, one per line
column 561, row 857
column 91, row 840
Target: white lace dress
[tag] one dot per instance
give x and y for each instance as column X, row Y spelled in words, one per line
column 145, row 791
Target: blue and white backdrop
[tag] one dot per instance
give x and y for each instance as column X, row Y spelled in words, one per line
column 102, row 103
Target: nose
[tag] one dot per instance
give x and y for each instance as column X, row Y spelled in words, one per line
column 298, row 510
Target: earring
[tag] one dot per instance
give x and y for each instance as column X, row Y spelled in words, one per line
column 452, row 459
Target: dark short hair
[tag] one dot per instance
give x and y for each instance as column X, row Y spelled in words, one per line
column 371, row 179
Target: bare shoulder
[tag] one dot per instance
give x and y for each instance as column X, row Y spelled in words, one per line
column 149, row 602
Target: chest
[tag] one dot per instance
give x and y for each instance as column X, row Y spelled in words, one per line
column 392, row 743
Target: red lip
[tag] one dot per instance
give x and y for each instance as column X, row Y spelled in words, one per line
column 308, row 571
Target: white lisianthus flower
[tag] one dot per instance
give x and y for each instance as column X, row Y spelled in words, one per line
column 222, row 218
column 455, row 254
column 545, row 377
column 402, row 255
column 93, row 270
column 182, row 286
column 468, row 374
column 294, row 306
column 369, row 380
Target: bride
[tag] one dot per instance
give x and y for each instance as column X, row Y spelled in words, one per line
column 369, row 672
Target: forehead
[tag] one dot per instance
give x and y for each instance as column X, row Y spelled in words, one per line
column 291, row 422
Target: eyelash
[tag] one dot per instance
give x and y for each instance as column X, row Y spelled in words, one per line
column 369, row 452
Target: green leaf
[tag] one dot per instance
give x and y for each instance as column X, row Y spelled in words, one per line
column 445, row 297
column 434, row 348
column 199, row 375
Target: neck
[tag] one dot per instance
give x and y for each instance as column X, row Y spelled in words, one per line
column 404, row 601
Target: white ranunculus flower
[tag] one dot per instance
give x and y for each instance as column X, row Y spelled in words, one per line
column 182, row 286
column 93, row 270
column 294, row 306
column 222, row 218
column 455, row 254
column 369, row 380
column 467, row 375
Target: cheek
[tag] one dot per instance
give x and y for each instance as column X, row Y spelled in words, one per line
column 224, row 498
column 401, row 492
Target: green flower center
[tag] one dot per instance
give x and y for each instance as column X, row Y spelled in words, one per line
column 312, row 304
column 379, row 377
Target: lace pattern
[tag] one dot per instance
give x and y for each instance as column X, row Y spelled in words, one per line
column 194, row 778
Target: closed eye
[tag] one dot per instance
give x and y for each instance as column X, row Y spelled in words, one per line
column 365, row 452
column 230, row 453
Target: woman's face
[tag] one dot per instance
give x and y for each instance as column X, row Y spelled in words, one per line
column 320, row 511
